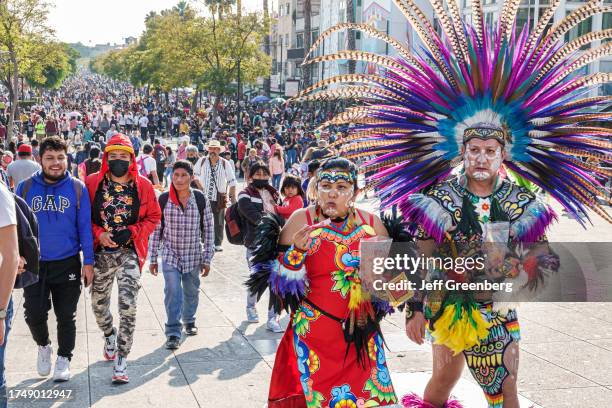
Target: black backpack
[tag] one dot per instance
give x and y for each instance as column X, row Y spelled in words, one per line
column 76, row 184
column 200, row 201
column 27, row 236
column 233, row 225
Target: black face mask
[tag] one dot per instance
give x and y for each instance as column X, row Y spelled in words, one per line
column 118, row 167
column 260, row 183
column 193, row 160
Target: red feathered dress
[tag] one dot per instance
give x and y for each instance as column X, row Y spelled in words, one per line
column 312, row 368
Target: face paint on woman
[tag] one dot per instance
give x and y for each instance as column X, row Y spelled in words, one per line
column 334, row 198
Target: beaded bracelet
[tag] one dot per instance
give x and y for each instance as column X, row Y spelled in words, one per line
column 293, row 258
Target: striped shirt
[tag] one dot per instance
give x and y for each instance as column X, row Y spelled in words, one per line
column 226, row 177
column 182, row 245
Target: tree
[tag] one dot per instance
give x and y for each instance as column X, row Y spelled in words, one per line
column 181, row 8
column 58, row 61
column 211, row 51
column 219, row 7
column 181, row 48
column 24, row 33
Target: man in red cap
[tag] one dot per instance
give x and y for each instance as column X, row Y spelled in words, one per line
column 23, row 168
column 124, row 213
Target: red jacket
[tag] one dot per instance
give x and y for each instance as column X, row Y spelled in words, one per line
column 290, row 205
column 242, row 148
column 149, row 214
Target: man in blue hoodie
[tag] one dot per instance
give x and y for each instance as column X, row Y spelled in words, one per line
column 61, row 204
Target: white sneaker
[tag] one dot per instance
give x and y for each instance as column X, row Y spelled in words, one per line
column 274, row 326
column 43, row 364
column 120, row 371
column 218, row 248
column 252, row 316
column 62, row 369
column 110, row 346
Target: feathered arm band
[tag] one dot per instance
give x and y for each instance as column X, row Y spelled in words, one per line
column 288, row 282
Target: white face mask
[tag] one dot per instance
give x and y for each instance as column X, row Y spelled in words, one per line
column 481, row 158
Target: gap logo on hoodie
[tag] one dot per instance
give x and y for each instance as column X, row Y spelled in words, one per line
column 64, row 227
column 50, row 203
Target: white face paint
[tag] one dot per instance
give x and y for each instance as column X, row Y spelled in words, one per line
column 482, row 162
column 334, row 198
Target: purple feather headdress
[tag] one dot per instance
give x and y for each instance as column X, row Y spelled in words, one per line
column 525, row 81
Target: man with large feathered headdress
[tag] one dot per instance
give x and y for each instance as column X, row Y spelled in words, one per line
column 500, row 100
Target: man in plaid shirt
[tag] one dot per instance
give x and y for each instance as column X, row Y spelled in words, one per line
column 186, row 238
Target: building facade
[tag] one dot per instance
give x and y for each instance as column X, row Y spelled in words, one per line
column 530, row 12
column 288, row 45
column 288, row 33
column 381, row 14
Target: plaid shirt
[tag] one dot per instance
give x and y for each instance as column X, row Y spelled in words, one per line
column 181, row 244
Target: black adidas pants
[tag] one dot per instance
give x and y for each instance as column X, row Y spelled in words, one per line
column 59, row 286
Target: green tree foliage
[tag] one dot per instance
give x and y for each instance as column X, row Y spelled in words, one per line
column 59, row 62
column 181, row 47
column 28, row 50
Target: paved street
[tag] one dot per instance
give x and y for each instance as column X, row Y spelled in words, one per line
column 566, row 358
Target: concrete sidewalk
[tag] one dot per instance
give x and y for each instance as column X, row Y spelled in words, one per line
column 566, row 351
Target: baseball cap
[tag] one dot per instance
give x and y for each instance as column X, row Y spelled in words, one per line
column 24, row 148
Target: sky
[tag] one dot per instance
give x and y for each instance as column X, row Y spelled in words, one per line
column 109, row 21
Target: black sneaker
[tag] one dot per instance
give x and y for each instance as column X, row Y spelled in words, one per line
column 191, row 329
column 173, row 343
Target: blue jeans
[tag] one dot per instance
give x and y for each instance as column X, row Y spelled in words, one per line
column 168, row 175
column 7, row 329
column 181, row 297
column 276, row 179
column 291, row 158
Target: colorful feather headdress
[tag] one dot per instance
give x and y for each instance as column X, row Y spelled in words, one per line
column 414, row 115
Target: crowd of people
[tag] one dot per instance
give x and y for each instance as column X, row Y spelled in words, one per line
column 109, row 178
column 102, row 178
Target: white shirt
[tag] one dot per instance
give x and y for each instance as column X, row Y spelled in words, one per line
column 268, row 201
column 22, row 169
column 7, row 207
column 143, row 121
column 225, row 176
column 148, row 162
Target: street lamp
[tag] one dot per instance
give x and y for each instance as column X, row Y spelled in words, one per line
column 239, row 97
column 4, row 56
column 238, row 94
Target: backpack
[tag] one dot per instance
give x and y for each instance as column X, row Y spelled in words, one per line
column 160, row 156
column 27, row 236
column 141, row 167
column 233, row 225
column 200, row 201
column 76, row 183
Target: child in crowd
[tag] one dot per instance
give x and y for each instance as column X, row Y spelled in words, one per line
column 293, row 196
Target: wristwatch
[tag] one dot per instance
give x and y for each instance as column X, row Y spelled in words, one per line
column 2, row 314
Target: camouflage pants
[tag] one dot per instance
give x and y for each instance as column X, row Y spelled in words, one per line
column 123, row 265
